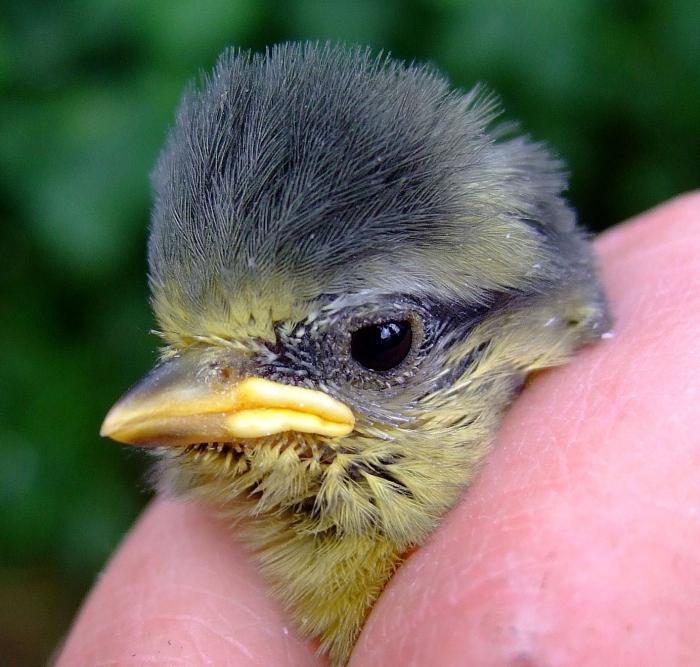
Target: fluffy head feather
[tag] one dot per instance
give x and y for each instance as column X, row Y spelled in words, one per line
column 315, row 170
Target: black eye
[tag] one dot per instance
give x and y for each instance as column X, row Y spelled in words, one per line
column 383, row 346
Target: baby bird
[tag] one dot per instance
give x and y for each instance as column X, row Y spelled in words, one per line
column 353, row 271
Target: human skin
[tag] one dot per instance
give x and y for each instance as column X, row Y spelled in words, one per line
column 578, row 544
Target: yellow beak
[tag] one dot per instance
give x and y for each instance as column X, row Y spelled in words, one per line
column 178, row 403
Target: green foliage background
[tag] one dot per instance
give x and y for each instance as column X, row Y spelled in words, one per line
column 87, row 90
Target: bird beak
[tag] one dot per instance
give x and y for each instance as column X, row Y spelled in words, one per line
column 177, row 404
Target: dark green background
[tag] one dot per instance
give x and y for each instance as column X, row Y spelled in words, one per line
column 87, row 90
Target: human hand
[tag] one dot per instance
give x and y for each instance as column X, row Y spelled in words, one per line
column 578, row 543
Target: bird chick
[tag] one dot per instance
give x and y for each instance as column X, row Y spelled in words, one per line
column 353, row 271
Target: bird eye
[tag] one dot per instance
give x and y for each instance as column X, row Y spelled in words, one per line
column 383, row 346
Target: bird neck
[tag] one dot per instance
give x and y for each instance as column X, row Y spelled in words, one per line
column 327, row 582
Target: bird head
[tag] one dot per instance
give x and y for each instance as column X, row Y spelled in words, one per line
column 353, row 271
